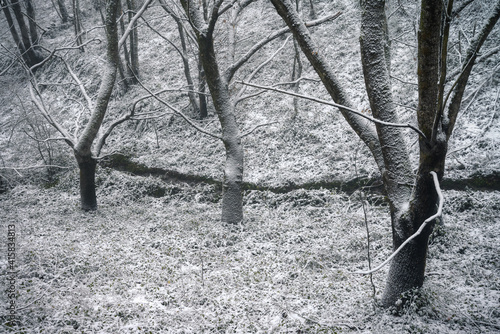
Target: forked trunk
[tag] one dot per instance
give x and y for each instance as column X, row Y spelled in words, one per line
column 88, row 198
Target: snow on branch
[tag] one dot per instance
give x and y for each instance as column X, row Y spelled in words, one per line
column 416, row 234
column 354, row 111
column 178, row 112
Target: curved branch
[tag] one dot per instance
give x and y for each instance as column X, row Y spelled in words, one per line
column 234, row 67
column 351, row 110
column 178, row 112
column 416, row 234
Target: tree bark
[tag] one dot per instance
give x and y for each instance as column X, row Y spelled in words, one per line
column 32, row 57
column 88, row 198
column 134, row 42
column 30, row 11
column 63, row 11
column 77, row 24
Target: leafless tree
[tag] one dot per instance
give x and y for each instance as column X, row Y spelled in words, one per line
column 202, row 19
column 85, row 143
column 412, row 198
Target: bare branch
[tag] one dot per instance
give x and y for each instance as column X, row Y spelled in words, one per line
column 256, row 127
column 416, row 234
column 39, row 104
column 354, row 111
column 178, row 112
column 90, row 104
column 258, row 68
column 134, row 19
column 234, row 67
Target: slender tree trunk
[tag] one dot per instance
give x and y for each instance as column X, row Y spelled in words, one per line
column 30, row 11
column 87, row 166
column 77, row 24
column 134, row 42
column 297, row 66
column 124, row 70
column 32, row 55
column 187, row 71
column 312, row 11
column 185, row 61
column 13, row 31
column 63, row 11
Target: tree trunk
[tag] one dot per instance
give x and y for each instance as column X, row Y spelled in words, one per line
column 201, row 87
column 32, row 56
column 13, row 31
column 77, row 24
column 134, row 42
column 63, row 11
column 232, row 198
column 30, row 11
column 88, row 198
column 407, row 269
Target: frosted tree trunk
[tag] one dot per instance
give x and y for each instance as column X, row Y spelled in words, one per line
column 232, row 198
column 83, row 148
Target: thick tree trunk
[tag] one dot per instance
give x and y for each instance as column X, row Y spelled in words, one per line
column 407, row 270
column 88, row 198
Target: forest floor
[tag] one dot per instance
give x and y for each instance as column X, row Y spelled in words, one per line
column 146, row 264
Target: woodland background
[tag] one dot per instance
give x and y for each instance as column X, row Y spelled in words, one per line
column 155, row 256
